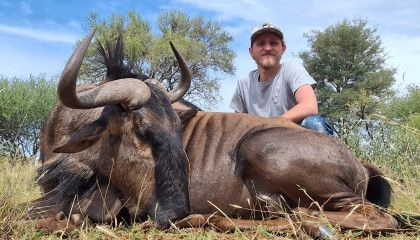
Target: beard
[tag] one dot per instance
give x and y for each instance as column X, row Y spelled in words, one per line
column 267, row 61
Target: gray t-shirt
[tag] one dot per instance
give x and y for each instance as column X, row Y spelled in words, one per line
column 272, row 98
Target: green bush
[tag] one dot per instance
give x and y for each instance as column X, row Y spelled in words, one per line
column 393, row 146
column 406, row 108
column 395, row 149
column 24, row 104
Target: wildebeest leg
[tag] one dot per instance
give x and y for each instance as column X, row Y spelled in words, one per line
column 101, row 204
column 363, row 216
column 313, row 171
column 315, row 229
column 59, row 223
column 230, row 224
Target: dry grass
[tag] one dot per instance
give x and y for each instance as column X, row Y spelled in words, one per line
column 17, row 187
column 400, row 163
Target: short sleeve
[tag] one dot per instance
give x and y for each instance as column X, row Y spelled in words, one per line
column 297, row 76
column 237, row 103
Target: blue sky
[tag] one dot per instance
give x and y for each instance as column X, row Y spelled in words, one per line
column 37, row 36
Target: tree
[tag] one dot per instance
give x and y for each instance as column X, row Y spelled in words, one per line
column 24, row 105
column 348, row 62
column 204, row 45
column 405, row 109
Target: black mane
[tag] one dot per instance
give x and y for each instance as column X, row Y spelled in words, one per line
column 111, row 55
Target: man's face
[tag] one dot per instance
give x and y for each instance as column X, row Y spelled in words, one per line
column 267, row 50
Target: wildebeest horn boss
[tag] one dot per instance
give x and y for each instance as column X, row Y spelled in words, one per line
column 126, row 158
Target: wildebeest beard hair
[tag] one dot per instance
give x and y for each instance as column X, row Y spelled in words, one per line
column 61, row 181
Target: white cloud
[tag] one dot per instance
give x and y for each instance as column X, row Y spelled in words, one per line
column 396, row 23
column 38, row 34
column 230, row 10
column 319, row 13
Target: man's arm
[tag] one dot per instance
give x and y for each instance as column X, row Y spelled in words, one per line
column 306, row 104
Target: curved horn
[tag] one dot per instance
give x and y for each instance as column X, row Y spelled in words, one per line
column 182, row 87
column 67, row 84
column 130, row 93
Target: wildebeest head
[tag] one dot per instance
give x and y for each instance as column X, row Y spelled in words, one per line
column 145, row 101
column 137, row 128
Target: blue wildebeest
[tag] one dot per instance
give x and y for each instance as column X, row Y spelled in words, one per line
column 102, row 160
column 131, row 124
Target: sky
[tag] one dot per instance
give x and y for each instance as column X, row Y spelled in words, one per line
column 38, row 36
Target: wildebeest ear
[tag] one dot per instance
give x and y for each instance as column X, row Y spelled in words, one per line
column 84, row 138
column 185, row 115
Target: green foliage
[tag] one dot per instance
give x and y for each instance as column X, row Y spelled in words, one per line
column 24, row 104
column 204, row 45
column 405, row 109
column 348, row 62
column 392, row 146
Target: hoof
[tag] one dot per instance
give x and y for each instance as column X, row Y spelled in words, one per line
column 325, row 233
column 60, row 216
column 192, row 221
column 59, row 223
column 52, row 225
column 146, row 226
column 318, row 230
column 76, row 219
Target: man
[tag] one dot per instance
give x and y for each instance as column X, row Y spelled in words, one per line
column 277, row 89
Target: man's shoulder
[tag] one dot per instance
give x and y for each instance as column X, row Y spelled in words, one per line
column 296, row 75
column 293, row 69
column 247, row 78
column 292, row 65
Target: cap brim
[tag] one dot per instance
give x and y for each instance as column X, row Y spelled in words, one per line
column 266, row 30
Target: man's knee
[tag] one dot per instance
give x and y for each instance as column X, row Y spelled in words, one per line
column 317, row 123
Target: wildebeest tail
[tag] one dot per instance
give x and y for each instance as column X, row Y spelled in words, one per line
column 379, row 190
